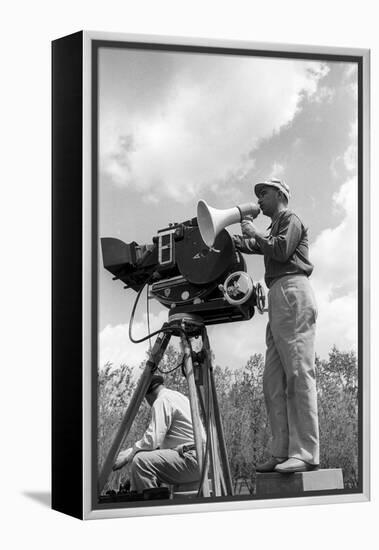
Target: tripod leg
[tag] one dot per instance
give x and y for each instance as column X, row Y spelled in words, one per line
column 221, row 441
column 219, row 428
column 196, row 422
column 202, row 401
column 211, row 434
column 213, row 453
column 152, row 363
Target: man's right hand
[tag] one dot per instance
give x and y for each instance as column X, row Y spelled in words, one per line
column 122, row 459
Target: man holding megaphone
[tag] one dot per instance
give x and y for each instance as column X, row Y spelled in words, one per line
column 289, row 382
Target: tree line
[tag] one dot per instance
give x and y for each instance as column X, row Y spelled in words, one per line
column 243, row 412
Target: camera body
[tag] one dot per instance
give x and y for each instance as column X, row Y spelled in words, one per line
column 184, row 274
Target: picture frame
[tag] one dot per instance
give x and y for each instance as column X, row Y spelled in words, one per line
column 170, row 90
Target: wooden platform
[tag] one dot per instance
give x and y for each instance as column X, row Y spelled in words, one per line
column 274, row 484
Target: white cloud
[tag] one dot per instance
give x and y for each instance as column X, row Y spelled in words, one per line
column 324, row 95
column 334, row 251
column 115, row 346
column 234, row 343
column 351, row 154
column 351, row 78
column 335, row 256
column 214, row 114
column 349, row 159
column 277, row 170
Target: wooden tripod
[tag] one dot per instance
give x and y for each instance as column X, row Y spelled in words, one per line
column 213, row 459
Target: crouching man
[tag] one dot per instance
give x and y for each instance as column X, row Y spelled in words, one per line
column 166, row 452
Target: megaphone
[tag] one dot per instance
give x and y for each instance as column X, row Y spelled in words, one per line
column 212, row 220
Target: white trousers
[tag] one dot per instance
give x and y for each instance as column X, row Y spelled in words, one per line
column 289, row 382
column 164, row 465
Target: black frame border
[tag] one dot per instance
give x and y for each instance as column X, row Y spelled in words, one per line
column 67, row 272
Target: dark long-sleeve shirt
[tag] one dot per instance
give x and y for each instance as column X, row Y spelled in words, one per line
column 285, row 249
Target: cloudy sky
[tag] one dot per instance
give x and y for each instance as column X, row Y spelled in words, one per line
column 179, row 127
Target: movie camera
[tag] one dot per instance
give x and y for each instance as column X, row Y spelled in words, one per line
column 191, row 267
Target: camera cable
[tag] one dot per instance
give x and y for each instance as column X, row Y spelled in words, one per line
column 150, row 334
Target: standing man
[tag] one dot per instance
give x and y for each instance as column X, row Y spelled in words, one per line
column 166, row 452
column 289, row 383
